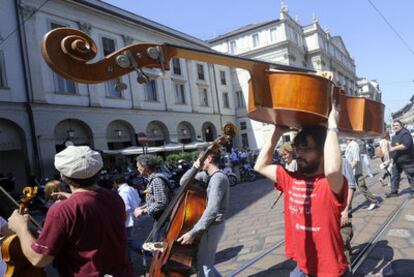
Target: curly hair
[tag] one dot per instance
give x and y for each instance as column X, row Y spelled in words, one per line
column 148, row 161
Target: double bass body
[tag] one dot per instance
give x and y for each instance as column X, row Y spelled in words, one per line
column 177, row 259
column 17, row 263
column 297, row 100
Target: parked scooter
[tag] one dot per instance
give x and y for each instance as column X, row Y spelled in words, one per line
column 177, row 171
column 230, row 175
column 247, row 173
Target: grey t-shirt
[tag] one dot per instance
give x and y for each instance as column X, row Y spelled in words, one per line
column 218, row 195
column 352, row 154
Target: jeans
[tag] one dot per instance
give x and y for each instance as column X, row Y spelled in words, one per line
column 160, row 235
column 396, row 171
column 206, row 256
column 296, row 272
column 133, row 244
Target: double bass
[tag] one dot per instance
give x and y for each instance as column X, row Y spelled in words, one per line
column 278, row 94
column 171, row 258
column 17, row 263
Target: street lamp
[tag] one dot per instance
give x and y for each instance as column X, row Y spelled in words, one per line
column 118, row 133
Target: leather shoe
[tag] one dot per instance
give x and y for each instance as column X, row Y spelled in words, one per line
column 391, row 194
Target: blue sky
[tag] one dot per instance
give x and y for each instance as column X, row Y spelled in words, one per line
column 378, row 52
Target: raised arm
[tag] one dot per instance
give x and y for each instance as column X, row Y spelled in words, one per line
column 264, row 161
column 332, row 153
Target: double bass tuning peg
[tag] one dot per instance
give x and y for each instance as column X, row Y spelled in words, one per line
column 142, row 77
column 123, row 61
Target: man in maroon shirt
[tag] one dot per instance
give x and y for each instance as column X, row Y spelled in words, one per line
column 84, row 235
column 314, row 197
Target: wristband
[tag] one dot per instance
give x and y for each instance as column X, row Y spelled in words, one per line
column 336, row 130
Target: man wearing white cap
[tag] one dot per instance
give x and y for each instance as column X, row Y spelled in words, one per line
column 84, row 235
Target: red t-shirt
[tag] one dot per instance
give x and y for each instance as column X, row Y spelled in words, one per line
column 86, row 235
column 312, row 223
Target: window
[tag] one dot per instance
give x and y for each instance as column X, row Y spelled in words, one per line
column 151, row 91
column 226, row 102
column 240, row 99
column 200, row 71
column 179, row 94
column 233, row 47
column 286, row 138
column 245, row 140
column 203, row 97
column 243, row 125
column 273, row 35
column 61, row 84
column 176, row 66
column 223, row 77
column 3, row 80
column 108, row 46
column 255, row 40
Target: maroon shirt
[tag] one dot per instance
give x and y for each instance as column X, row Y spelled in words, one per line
column 86, row 235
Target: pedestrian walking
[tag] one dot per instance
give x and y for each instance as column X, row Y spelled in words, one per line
column 352, row 154
column 131, row 201
column 347, row 231
column 366, row 166
column 158, row 192
column 210, row 227
column 386, row 164
column 402, row 152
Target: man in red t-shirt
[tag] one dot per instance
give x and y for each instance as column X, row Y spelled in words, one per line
column 314, row 197
column 84, row 234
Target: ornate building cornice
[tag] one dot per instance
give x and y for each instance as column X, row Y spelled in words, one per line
column 84, row 27
column 127, row 39
column 26, row 11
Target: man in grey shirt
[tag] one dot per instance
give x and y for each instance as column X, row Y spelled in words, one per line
column 352, row 154
column 211, row 224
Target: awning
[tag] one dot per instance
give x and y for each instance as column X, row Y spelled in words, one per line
column 170, row 147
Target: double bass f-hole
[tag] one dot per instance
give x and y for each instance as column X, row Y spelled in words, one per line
column 170, row 257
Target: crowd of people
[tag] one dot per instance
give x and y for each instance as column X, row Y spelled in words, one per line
column 90, row 230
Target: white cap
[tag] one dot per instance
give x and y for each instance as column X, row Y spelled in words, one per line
column 79, row 162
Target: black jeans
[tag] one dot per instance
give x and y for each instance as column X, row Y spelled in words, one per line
column 397, row 169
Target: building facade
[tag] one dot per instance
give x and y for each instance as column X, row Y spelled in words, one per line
column 369, row 89
column 406, row 114
column 284, row 41
column 41, row 116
